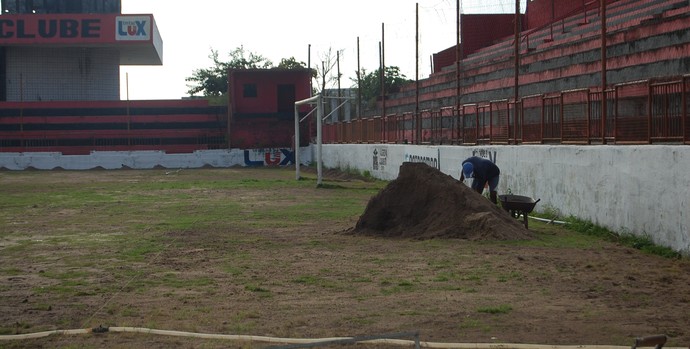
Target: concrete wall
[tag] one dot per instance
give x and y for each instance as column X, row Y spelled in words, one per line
column 62, row 74
column 643, row 190
column 629, row 189
column 112, row 160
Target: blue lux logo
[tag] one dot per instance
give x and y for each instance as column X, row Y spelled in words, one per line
column 131, row 28
column 271, row 158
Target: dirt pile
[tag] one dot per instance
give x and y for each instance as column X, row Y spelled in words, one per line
column 424, row 203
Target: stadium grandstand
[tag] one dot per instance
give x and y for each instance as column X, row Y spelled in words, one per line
column 546, row 86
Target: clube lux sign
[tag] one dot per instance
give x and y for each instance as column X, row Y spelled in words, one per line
column 74, row 28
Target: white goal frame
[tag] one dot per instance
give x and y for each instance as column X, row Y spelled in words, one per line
column 319, row 138
column 318, row 100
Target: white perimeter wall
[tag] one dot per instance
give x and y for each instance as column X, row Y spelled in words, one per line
column 643, row 190
column 640, row 190
column 153, row 159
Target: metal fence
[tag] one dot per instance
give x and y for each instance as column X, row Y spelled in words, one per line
column 639, row 112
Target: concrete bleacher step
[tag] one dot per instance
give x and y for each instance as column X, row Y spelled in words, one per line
column 621, row 15
column 547, row 33
column 618, row 20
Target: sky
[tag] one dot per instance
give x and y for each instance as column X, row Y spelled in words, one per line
column 277, row 29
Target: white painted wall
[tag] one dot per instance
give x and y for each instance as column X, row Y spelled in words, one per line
column 152, row 159
column 643, row 190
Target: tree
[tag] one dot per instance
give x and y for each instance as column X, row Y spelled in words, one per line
column 213, row 81
column 291, row 63
column 370, row 84
column 324, row 72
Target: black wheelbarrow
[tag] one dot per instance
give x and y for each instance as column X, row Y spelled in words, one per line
column 518, row 205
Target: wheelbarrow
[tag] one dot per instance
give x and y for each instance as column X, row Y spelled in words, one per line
column 518, row 205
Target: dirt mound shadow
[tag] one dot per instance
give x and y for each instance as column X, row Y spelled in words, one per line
column 424, row 203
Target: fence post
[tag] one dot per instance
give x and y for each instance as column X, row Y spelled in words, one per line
column 561, row 107
column 684, row 109
column 649, row 111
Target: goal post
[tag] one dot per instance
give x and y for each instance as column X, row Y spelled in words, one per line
column 319, row 119
column 319, row 100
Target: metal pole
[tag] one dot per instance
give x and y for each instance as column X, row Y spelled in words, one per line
column 458, row 59
column 323, row 76
column 296, row 143
column 418, row 137
column 604, row 107
column 380, row 70
column 383, row 69
column 319, row 117
column 309, row 67
column 517, row 49
column 553, row 18
column 337, row 60
column 230, row 106
column 359, row 84
column 310, row 100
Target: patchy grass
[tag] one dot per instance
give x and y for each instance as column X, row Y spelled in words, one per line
column 499, row 309
column 254, row 251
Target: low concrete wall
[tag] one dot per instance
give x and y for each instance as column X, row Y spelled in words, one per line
column 153, row 159
column 642, row 190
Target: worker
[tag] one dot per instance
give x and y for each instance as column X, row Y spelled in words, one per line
column 482, row 171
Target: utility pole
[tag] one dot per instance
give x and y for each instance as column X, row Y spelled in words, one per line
column 383, row 69
column 359, row 84
column 418, row 119
column 458, row 82
column 604, row 107
column 517, row 51
column 337, row 60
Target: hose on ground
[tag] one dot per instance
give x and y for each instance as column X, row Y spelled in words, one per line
column 265, row 339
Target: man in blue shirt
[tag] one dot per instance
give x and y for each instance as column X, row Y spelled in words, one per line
column 482, row 171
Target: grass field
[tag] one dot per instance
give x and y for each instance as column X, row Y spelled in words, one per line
column 256, row 252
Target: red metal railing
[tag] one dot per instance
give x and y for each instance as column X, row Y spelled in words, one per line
column 575, row 128
column 532, row 116
column 631, row 117
column 666, row 112
column 640, row 112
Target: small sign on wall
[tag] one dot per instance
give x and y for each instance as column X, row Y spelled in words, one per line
column 380, row 158
column 269, row 157
column 133, row 28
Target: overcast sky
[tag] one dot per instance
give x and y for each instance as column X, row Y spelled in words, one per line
column 279, row 29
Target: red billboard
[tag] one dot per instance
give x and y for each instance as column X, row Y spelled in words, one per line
column 72, row 29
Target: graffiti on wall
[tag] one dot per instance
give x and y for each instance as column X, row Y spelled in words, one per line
column 429, row 156
column 269, row 157
column 380, row 159
column 487, row 154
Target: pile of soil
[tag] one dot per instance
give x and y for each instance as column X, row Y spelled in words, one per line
column 424, row 203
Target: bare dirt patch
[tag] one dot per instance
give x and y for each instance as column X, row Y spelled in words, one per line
column 307, row 279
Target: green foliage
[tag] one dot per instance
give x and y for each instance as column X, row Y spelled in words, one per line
column 213, row 81
column 642, row 243
column 291, row 63
column 370, row 84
